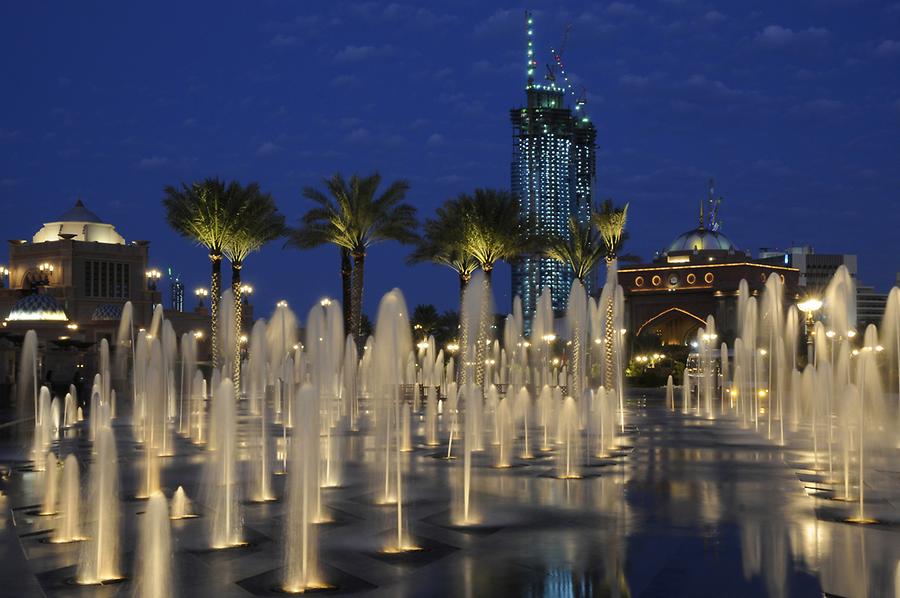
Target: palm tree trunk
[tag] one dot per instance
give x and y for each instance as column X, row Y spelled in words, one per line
column 463, row 283
column 238, row 313
column 346, row 286
column 483, row 326
column 608, row 332
column 359, row 262
column 215, row 292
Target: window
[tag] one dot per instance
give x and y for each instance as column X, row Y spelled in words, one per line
column 107, row 280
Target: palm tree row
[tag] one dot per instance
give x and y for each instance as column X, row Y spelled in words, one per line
column 468, row 232
column 231, row 221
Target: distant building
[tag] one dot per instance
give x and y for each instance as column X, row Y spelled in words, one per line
column 176, row 292
column 696, row 276
column 553, row 177
column 816, row 271
column 870, row 306
column 69, row 284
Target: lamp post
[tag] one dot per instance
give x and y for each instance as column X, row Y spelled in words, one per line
column 153, row 277
column 810, row 306
column 46, row 270
column 246, row 291
column 201, row 294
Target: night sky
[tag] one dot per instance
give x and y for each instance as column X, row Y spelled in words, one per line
column 793, row 107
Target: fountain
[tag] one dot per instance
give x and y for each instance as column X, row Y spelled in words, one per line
column 99, row 557
column 181, row 506
column 567, row 462
column 51, row 485
column 522, row 408
column 670, row 393
column 225, row 522
column 68, row 528
column 505, row 426
column 155, row 576
column 300, row 553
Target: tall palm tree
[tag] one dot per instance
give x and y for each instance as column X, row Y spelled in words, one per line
column 354, row 216
column 443, row 243
column 581, row 251
column 257, row 221
column 314, row 230
column 199, row 212
column 492, row 228
column 610, row 222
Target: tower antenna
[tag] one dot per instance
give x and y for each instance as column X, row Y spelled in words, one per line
column 530, row 61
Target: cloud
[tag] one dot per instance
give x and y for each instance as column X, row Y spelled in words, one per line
column 416, row 15
column 189, row 122
column 358, row 135
column 63, row 81
column 152, row 163
column 347, row 122
column 623, row 9
column 823, row 105
column 634, row 82
column 887, row 48
column 353, row 53
column 267, row 148
column 503, row 20
column 9, row 182
column 435, row 140
column 714, row 16
column 8, row 134
column 776, row 36
column 281, row 40
column 344, row 80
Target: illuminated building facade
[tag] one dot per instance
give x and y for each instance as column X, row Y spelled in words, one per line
column 697, row 276
column 553, row 177
column 69, row 284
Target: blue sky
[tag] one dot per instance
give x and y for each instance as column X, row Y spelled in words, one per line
column 793, row 107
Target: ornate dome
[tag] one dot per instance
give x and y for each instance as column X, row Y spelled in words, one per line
column 701, row 239
column 107, row 311
column 78, row 224
column 37, row 306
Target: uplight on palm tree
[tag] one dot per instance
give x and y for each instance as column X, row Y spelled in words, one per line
column 199, row 212
column 257, row 221
column 581, row 251
column 354, row 216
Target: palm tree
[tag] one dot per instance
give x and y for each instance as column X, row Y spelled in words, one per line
column 443, row 243
column 257, row 221
column 610, row 222
column 316, row 229
column 581, row 251
column 198, row 211
column 354, row 216
column 492, row 228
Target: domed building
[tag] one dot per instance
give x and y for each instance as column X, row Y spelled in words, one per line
column 68, row 284
column 695, row 276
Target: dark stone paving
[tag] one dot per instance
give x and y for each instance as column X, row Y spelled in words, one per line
column 691, row 508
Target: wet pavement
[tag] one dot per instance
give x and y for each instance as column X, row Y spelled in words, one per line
column 688, row 507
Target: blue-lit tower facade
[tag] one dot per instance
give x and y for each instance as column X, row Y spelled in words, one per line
column 553, row 175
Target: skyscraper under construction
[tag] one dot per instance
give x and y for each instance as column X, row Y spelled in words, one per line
column 553, row 175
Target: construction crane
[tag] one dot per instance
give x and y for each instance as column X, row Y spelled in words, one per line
column 580, row 100
column 714, row 203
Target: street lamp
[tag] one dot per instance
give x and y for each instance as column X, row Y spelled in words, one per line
column 810, row 306
column 246, row 291
column 153, row 277
column 201, row 294
column 46, row 270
